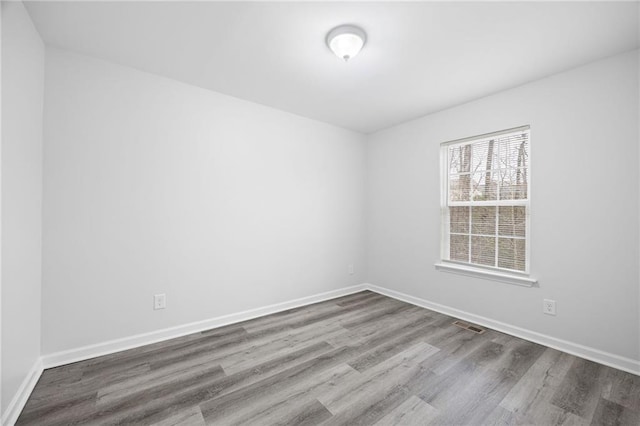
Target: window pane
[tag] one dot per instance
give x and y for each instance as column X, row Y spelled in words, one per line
column 459, row 188
column 512, row 221
column 511, row 253
column 484, row 156
column 484, row 186
column 483, row 220
column 460, row 159
column 459, row 248
column 459, row 220
column 514, row 151
column 513, row 184
column 483, row 250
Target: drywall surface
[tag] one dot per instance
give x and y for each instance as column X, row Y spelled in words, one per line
column 584, row 206
column 22, row 93
column 153, row 186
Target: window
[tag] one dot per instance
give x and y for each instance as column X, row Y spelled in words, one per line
column 485, row 201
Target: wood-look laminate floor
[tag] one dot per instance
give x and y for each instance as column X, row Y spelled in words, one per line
column 360, row 359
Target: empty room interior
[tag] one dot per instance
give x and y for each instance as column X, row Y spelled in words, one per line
column 337, row 213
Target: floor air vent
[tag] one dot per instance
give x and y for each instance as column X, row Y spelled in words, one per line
column 475, row 328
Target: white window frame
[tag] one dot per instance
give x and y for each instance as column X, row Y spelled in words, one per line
column 471, row 269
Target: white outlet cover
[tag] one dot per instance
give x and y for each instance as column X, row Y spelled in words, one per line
column 549, row 306
column 159, row 301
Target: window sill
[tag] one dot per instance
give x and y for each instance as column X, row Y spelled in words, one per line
column 470, row 271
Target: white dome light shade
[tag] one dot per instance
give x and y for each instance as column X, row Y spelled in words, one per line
column 346, row 41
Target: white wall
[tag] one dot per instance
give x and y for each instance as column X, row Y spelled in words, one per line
column 584, row 206
column 153, row 186
column 22, row 95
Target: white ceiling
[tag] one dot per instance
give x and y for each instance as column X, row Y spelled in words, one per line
column 419, row 57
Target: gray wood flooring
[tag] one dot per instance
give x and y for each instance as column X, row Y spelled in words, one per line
column 362, row 359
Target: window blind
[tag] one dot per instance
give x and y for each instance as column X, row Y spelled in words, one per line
column 486, row 200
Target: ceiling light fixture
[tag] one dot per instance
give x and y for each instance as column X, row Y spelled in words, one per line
column 346, row 41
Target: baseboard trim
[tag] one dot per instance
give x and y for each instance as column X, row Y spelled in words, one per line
column 91, row 351
column 612, row 360
column 19, row 400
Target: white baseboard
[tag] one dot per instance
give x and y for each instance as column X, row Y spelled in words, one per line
column 105, row 348
column 621, row 363
column 86, row 352
column 10, row 416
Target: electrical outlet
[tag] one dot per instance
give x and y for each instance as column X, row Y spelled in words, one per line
column 549, row 306
column 160, row 301
column 350, row 268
